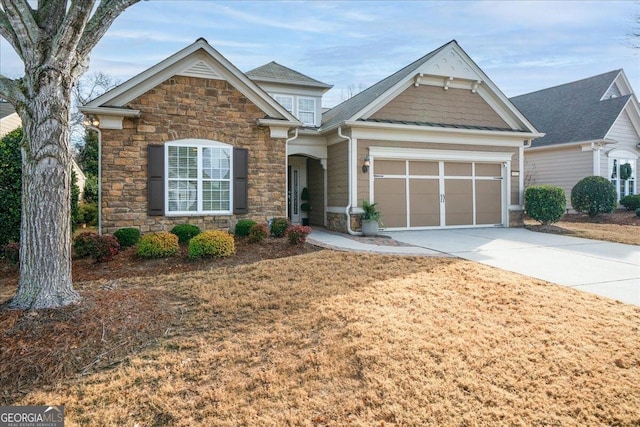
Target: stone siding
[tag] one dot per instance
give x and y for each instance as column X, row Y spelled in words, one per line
column 182, row 108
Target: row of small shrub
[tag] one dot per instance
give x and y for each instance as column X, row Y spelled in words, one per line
column 593, row 195
column 279, row 227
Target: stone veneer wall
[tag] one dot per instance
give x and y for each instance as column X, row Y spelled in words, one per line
column 181, row 108
column 338, row 222
column 516, row 218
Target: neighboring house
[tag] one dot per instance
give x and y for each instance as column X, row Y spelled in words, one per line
column 193, row 139
column 591, row 126
column 9, row 120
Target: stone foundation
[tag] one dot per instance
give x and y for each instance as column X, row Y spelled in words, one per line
column 516, row 218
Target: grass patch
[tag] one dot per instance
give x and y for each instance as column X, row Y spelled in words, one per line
column 333, row 338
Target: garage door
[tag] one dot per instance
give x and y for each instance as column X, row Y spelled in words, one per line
column 422, row 194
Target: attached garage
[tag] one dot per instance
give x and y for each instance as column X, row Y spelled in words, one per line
column 436, row 189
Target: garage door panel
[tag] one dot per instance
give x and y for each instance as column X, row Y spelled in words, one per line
column 424, row 168
column 390, row 194
column 488, row 169
column 424, row 202
column 458, row 202
column 390, row 167
column 488, row 202
column 457, row 169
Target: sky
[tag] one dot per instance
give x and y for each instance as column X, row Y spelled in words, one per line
column 523, row 46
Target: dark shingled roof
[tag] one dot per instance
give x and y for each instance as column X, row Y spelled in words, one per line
column 438, row 125
column 276, row 73
column 352, row 105
column 572, row 112
column 6, row 109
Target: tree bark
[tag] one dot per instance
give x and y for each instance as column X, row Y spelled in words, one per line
column 45, row 236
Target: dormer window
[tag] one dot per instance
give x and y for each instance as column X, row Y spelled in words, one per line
column 304, row 108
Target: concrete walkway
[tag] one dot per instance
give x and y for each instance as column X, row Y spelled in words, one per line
column 603, row 268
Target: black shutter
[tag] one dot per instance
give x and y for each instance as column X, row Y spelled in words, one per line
column 155, row 180
column 240, row 181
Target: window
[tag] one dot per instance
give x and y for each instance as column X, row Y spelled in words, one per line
column 307, row 111
column 198, row 177
column 286, row 101
column 622, row 173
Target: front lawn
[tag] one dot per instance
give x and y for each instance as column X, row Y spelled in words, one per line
column 330, row 339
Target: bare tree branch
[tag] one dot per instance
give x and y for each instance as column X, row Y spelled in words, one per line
column 6, row 31
column 24, row 29
column 107, row 12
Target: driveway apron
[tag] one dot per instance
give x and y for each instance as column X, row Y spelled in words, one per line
column 603, row 268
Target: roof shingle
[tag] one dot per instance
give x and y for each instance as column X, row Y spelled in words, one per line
column 276, row 73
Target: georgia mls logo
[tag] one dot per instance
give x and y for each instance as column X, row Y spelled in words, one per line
column 31, row 416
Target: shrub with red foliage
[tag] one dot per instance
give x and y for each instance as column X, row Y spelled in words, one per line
column 297, row 234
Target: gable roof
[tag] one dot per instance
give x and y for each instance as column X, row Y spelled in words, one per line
column 198, row 59
column 276, row 73
column 575, row 111
column 447, row 63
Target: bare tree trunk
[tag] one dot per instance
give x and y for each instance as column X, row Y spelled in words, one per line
column 45, row 237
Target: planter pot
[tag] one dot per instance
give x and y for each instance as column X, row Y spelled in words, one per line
column 370, row 227
column 305, row 221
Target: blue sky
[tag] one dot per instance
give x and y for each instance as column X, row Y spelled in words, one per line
column 522, row 46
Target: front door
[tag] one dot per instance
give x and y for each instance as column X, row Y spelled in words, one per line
column 296, row 181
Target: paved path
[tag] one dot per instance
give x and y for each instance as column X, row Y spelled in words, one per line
column 607, row 269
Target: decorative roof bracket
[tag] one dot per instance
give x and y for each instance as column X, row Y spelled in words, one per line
column 474, row 86
column 447, row 81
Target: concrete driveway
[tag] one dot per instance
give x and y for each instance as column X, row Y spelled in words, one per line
column 607, row 269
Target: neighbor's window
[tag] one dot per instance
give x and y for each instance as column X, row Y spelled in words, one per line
column 198, row 178
column 622, row 174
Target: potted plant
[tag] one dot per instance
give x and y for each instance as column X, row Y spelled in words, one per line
column 305, row 207
column 370, row 219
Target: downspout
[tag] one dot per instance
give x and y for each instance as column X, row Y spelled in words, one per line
column 97, row 130
column 286, row 169
column 350, row 180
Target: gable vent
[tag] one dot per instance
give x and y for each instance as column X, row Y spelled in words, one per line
column 202, row 70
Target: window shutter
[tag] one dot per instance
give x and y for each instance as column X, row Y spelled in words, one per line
column 240, row 181
column 155, row 180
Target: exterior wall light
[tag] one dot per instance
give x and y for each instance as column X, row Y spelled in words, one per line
column 365, row 164
column 91, row 121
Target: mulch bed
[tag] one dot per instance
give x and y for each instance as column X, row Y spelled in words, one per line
column 40, row 348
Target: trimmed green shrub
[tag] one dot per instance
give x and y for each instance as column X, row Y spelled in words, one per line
column 10, row 186
column 216, row 243
column 11, row 253
column 89, row 212
column 638, row 212
column 127, row 237
column 243, row 227
column 545, row 203
column 594, row 195
column 258, row 233
column 100, row 248
column 297, row 234
column 158, row 245
column 279, row 226
column 185, row 232
column 631, row 202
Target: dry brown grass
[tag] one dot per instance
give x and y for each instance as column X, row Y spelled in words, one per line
column 333, row 339
column 628, row 234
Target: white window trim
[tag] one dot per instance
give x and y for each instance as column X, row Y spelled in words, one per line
column 290, row 97
column 200, row 144
column 295, row 102
column 619, row 155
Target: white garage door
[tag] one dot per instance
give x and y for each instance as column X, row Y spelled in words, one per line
column 429, row 193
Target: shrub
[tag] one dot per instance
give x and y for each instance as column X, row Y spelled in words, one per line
column 297, row 234
column 594, row 195
column 243, row 227
column 10, row 186
column 216, row 243
column 258, row 233
column 11, row 252
column 89, row 212
column 638, row 212
column 77, row 217
column 127, row 237
column 185, row 232
column 83, row 243
column 158, row 245
column 279, row 227
column 545, row 203
column 91, row 189
column 631, row 202
column 100, row 248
